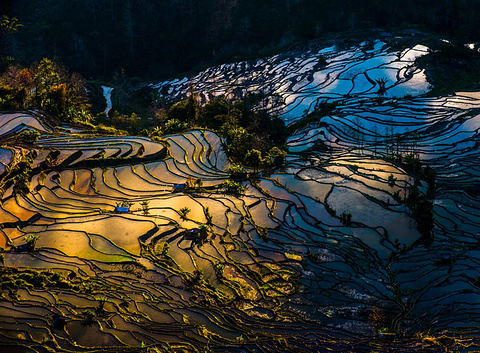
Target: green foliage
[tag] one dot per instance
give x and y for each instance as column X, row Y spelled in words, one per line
column 155, row 134
column 233, row 187
column 125, row 203
column 451, row 68
column 31, row 240
column 185, row 110
column 217, row 111
column 275, row 157
column 174, row 125
column 208, row 215
column 238, row 140
column 263, row 233
column 98, row 40
column 254, row 159
column 184, row 211
column 29, row 136
column 145, row 207
column 391, row 180
column 191, row 183
column 48, row 86
column 9, row 24
column 110, row 130
column 203, row 231
column 235, row 170
column 422, row 211
column 14, row 278
column 20, row 175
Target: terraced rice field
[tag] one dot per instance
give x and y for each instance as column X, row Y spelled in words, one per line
column 279, row 271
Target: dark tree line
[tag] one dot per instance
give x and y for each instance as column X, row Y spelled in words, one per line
column 165, row 37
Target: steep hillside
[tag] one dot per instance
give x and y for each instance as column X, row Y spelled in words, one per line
column 364, row 237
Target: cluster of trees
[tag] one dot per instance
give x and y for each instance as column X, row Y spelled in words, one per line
column 252, row 135
column 162, row 38
column 48, row 86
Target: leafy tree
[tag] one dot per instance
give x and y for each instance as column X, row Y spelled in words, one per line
column 203, row 233
column 31, row 241
column 191, row 183
column 145, row 207
column 208, row 215
column 391, row 180
column 8, row 26
column 235, row 170
column 238, row 140
column 186, row 110
column 184, row 211
column 174, row 125
column 254, row 158
column 233, row 187
column 46, row 77
column 46, row 85
column 125, row 203
column 29, row 136
column 276, row 157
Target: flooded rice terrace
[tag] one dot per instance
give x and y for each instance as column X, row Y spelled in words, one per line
column 323, row 255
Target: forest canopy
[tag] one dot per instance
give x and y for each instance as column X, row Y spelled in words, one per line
column 163, row 38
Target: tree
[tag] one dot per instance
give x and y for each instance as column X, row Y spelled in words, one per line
column 186, row 110
column 191, row 183
column 174, row 125
column 31, row 241
column 253, row 158
column 208, row 215
column 235, row 170
column 203, row 233
column 8, row 26
column 276, row 157
column 381, row 82
column 46, row 76
column 391, row 180
column 237, row 138
column 145, row 207
column 29, row 136
column 134, row 122
column 184, row 211
column 233, row 187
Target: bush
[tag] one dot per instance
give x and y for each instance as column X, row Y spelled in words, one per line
column 233, row 187
column 29, row 136
column 235, row 170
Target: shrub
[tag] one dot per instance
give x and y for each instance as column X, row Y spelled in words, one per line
column 184, row 211
column 29, row 136
column 233, row 187
column 235, row 170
